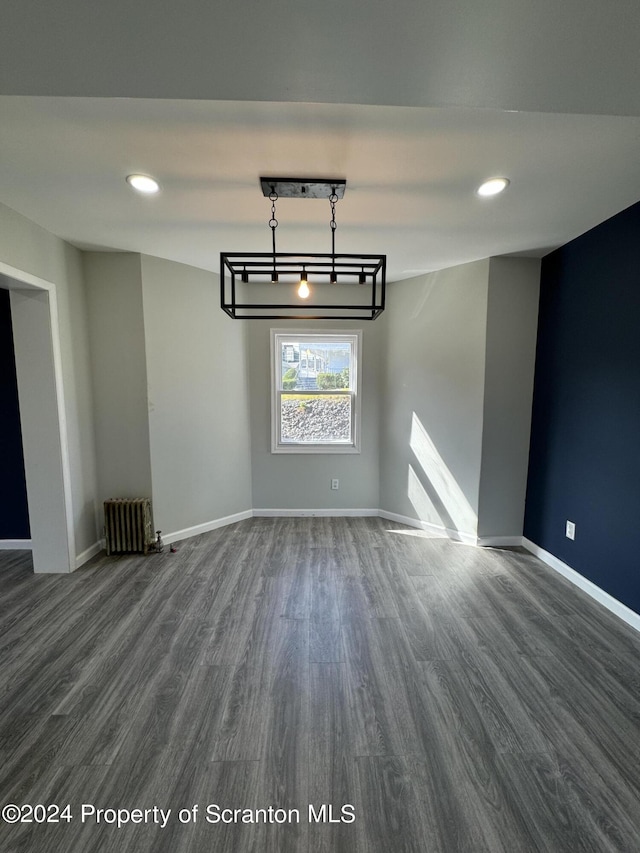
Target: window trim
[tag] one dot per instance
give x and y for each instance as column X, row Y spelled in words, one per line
column 354, row 336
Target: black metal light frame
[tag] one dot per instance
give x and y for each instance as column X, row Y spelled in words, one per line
column 279, row 269
column 366, row 271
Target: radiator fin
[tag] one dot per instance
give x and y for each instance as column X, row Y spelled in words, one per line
column 127, row 525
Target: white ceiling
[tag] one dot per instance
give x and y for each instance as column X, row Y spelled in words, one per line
column 212, row 95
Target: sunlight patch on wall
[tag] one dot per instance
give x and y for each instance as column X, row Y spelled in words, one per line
column 437, row 485
column 420, row 499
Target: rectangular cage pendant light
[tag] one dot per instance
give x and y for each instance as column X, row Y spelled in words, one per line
column 282, row 285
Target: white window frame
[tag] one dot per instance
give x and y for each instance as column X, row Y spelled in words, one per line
column 352, row 336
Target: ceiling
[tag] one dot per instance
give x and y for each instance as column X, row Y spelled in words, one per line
column 414, row 109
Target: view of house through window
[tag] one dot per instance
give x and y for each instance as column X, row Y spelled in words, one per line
column 314, row 392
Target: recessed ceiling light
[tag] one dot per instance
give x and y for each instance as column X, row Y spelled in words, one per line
column 493, row 186
column 143, row 184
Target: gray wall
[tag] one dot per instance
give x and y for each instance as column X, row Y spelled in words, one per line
column 29, row 248
column 433, row 396
column 114, row 298
column 460, row 347
column 303, row 481
column 512, row 319
column 171, row 391
column 198, row 419
column 181, row 394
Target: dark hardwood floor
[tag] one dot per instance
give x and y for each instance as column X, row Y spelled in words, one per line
column 458, row 699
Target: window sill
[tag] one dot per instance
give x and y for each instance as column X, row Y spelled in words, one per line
column 335, row 449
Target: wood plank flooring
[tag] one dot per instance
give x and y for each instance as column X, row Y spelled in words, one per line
column 458, row 699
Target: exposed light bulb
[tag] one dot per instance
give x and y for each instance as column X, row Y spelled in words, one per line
column 303, row 290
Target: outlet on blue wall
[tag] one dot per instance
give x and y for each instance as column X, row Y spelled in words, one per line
column 14, row 514
column 584, row 462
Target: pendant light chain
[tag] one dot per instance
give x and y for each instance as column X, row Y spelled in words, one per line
column 333, row 198
column 273, row 224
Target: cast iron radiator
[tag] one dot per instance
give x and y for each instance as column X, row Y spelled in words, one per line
column 127, row 525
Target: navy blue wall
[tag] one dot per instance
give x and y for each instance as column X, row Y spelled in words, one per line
column 14, row 515
column 584, row 461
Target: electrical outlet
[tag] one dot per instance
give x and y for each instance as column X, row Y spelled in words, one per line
column 335, row 484
column 570, row 531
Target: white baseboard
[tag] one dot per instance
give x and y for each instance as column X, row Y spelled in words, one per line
column 621, row 610
column 177, row 535
column 85, row 556
column 310, row 513
column 16, row 545
column 429, row 527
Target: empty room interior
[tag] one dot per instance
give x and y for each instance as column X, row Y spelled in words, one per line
column 320, row 417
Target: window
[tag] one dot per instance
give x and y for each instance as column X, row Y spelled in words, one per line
column 315, row 402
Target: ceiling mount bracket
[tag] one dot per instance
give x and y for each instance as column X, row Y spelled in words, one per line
column 303, row 187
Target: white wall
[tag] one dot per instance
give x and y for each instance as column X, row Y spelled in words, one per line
column 114, row 299
column 198, row 398
column 512, row 320
column 433, row 397
column 27, row 247
column 43, row 430
column 303, row 481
